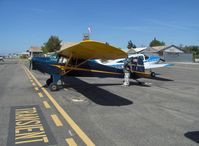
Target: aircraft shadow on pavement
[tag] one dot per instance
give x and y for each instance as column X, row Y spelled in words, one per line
column 193, row 135
column 96, row 94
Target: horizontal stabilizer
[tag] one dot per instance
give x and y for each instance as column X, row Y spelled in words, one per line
column 151, row 66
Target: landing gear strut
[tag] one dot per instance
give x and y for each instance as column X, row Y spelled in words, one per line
column 52, row 82
column 49, row 81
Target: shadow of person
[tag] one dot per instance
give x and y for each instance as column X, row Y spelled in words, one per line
column 141, row 84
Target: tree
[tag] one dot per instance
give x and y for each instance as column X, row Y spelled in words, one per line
column 192, row 49
column 156, row 42
column 53, row 45
column 131, row 45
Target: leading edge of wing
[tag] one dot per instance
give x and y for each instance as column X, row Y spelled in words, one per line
column 90, row 49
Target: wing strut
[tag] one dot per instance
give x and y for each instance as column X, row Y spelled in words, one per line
column 76, row 66
column 68, row 60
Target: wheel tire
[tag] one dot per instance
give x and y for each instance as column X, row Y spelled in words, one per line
column 53, row 87
column 48, row 82
column 153, row 74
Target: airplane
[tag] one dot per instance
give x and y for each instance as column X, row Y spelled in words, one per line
column 78, row 59
column 150, row 62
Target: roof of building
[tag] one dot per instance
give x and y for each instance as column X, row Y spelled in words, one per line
column 164, row 48
column 35, row 49
column 159, row 48
column 24, row 53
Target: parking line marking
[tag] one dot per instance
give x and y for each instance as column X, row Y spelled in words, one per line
column 46, row 104
column 40, row 94
column 56, row 120
column 67, row 118
column 36, row 88
column 45, row 139
column 71, row 142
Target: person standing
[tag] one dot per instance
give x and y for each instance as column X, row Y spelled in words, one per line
column 126, row 70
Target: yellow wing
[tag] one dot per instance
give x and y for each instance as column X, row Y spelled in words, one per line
column 92, row 50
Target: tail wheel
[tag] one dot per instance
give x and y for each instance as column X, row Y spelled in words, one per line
column 53, row 87
column 153, row 74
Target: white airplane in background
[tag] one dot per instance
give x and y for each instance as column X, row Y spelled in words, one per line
column 150, row 62
column 1, row 59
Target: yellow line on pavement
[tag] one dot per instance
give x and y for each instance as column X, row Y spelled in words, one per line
column 68, row 119
column 27, row 74
column 45, row 139
column 36, row 88
column 56, row 120
column 71, row 142
column 46, row 104
column 40, row 94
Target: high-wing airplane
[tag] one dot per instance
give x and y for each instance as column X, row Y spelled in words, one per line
column 150, row 62
column 77, row 59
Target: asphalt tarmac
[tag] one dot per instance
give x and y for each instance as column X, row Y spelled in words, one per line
column 99, row 111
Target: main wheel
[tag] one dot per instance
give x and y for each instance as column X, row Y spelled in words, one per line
column 49, row 81
column 53, row 87
column 153, row 74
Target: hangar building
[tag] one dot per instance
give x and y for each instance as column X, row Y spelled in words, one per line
column 169, row 53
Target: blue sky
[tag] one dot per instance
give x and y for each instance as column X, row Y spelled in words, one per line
column 26, row 23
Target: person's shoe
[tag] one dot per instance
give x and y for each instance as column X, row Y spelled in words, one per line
column 124, row 85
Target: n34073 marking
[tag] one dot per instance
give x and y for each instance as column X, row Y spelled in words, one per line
column 28, row 127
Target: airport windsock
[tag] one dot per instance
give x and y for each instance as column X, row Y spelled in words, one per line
column 89, row 30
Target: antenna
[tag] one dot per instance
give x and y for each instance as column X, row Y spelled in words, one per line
column 86, row 36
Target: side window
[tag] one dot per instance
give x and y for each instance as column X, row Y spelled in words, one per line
column 141, row 57
column 62, row 60
column 121, row 61
column 59, row 60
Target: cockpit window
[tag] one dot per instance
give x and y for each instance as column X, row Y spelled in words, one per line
column 62, row 60
column 146, row 57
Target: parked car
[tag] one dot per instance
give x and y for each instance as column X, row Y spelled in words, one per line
column 1, row 59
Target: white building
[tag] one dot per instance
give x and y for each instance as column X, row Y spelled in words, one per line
column 35, row 51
